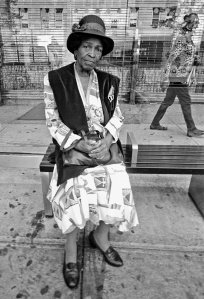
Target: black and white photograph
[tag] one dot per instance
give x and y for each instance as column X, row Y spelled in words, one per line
column 102, row 149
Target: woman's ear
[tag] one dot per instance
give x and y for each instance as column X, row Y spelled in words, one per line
column 75, row 54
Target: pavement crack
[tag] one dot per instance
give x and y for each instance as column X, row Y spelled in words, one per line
column 10, row 262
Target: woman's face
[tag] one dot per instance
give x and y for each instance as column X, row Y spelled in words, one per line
column 89, row 53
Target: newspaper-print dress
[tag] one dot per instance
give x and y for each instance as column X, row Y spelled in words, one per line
column 101, row 192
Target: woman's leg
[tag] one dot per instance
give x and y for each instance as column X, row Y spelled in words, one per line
column 99, row 239
column 101, row 235
column 71, row 246
column 71, row 271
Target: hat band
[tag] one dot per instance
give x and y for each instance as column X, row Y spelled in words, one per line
column 92, row 26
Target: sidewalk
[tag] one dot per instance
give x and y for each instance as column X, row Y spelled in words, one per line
column 163, row 256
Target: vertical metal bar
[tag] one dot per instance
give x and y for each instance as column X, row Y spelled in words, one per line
column 123, row 61
column 196, row 192
column 45, row 180
column 132, row 141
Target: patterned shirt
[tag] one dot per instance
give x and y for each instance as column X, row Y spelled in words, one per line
column 93, row 109
column 181, row 59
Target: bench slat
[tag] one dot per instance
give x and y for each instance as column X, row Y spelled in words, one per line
column 151, row 147
column 170, row 165
column 180, row 159
column 148, row 168
column 165, row 168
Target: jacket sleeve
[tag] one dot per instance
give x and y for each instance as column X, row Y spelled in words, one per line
column 116, row 121
column 56, row 127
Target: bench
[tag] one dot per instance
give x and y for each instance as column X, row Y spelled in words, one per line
column 150, row 159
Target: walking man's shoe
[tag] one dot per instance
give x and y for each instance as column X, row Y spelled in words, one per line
column 158, row 127
column 195, row 133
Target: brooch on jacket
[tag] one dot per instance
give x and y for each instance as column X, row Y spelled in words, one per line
column 111, row 94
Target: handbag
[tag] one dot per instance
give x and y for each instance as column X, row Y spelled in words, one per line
column 76, row 157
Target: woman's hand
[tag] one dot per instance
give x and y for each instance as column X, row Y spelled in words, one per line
column 84, row 146
column 100, row 150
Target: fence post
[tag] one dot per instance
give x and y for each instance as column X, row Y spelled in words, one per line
column 1, row 44
column 136, row 49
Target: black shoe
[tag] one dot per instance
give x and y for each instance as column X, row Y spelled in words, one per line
column 111, row 256
column 158, row 127
column 198, row 130
column 71, row 274
column 195, row 133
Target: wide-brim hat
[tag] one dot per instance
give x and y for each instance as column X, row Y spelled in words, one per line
column 90, row 26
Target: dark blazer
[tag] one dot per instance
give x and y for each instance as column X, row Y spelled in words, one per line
column 71, row 109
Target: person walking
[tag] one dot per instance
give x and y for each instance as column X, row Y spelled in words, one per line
column 89, row 180
column 179, row 74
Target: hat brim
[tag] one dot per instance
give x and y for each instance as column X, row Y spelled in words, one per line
column 108, row 43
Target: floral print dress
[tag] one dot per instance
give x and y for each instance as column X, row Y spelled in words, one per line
column 99, row 193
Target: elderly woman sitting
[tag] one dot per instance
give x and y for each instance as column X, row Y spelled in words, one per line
column 89, row 181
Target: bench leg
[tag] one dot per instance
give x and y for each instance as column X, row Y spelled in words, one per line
column 196, row 192
column 45, row 180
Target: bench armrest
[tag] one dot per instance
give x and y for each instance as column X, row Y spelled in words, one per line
column 131, row 140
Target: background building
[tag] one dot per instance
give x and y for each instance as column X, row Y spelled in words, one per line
column 33, row 41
